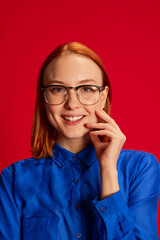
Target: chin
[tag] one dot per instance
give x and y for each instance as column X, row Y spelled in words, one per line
column 76, row 135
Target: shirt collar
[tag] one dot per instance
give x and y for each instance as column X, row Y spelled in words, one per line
column 62, row 155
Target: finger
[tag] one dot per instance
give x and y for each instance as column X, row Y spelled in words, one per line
column 103, row 126
column 104, row 116
column 104, row 133
column 112, row 136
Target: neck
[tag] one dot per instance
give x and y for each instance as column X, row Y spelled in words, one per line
column 73, row 145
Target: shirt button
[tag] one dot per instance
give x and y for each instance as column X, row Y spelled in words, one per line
column 103, row 209
column 77, row 205
column 75, row 159
column 78, row 235
column 78, row 166
column 75, row 180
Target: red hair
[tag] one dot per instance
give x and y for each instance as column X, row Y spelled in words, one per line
column 42, row 136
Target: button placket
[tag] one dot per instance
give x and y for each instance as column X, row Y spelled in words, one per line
column 76, row 180
column 76, row 163
column 78, row 166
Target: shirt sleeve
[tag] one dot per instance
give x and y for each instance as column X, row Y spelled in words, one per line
column 136, row 219
column 10, row 215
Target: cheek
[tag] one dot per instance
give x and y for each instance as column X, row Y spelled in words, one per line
column 91, row 110
column 51, row 115
column 92, row 116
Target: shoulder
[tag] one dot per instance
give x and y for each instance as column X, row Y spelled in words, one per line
column 26, row 169
column 138, row 162
column 142, row 172
column 139, row 159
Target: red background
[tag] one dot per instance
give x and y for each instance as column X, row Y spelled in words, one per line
column 124, row 33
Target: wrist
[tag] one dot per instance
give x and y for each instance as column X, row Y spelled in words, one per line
column 108, row 171
column 109, row 183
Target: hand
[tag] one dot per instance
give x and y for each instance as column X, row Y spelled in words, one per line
column 107, row 152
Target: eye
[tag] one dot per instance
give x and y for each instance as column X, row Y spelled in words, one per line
column 56, row 89
column 88, row 89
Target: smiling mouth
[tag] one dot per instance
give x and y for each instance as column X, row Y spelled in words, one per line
column 73, row 119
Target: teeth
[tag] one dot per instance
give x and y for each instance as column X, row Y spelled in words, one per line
column 73, row 119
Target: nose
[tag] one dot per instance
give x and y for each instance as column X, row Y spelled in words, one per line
column 72, row 101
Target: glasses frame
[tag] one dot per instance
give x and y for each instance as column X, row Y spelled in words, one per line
column 100, row 89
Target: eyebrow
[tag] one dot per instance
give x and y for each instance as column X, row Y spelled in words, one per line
column 81, row 81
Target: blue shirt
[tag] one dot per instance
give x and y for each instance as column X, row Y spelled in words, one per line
column 58, row 198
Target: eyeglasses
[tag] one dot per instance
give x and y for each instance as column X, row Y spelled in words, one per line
column 86, row 94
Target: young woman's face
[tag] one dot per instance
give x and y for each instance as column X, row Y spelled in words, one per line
column 73, row 70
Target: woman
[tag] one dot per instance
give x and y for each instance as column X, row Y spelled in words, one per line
column 80, row 183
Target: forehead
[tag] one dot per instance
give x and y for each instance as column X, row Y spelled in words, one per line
column 71, row 69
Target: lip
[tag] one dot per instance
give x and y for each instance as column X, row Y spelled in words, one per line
column 73, row 115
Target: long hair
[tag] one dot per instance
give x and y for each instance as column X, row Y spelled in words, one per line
column 42, row 135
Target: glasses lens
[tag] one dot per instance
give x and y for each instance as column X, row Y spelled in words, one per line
column 88, row 95
column 55, row 94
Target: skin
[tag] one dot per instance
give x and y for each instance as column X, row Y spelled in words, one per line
column 74, row 70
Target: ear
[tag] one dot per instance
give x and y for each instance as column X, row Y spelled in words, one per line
column 104, row 96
